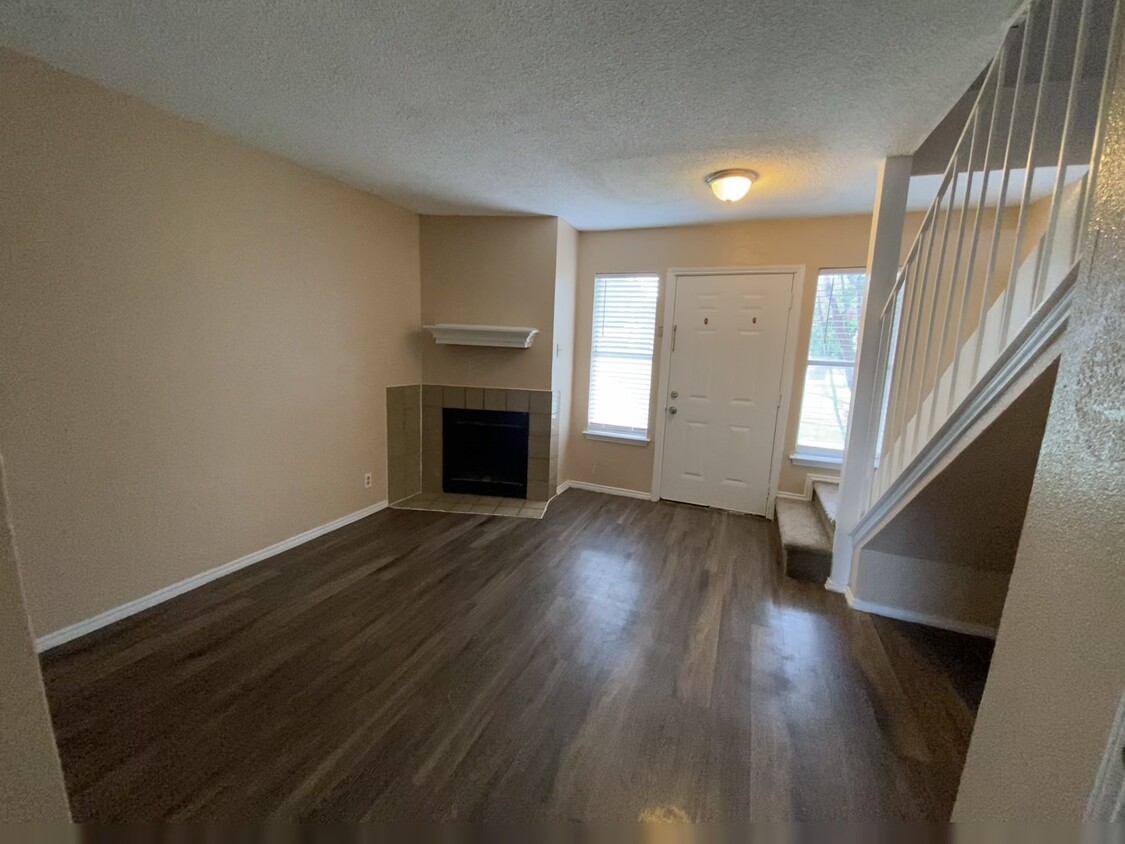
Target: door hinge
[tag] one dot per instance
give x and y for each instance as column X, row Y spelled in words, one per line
column 674, row 328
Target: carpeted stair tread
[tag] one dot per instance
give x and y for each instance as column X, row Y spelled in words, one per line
column 825, row 497
column 800, row 527
column 805, row 543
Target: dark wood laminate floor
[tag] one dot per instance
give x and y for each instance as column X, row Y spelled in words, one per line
column 617, row 658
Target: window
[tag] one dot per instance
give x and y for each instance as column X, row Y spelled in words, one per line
column 830, row 371
column 621, row 356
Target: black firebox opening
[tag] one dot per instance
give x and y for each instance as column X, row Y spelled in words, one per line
column 484, row 452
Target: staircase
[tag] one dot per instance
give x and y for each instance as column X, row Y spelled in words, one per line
column 807, row 529
column 954, row 334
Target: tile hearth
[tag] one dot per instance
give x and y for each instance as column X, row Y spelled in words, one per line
column 482, row 505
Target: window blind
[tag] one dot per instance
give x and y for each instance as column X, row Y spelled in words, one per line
column 621, row 357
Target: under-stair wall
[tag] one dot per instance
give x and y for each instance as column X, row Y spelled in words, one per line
column 945, row 559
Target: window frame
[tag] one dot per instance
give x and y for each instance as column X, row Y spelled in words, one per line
column 811, row 455
column 611, row 433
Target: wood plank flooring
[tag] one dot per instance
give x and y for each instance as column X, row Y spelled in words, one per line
column 617, row 659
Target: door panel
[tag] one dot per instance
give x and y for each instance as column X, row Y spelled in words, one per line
column 701, row 372
column 695, row 450
column 726, row 369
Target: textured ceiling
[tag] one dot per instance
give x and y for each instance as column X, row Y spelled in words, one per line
column 605, row 112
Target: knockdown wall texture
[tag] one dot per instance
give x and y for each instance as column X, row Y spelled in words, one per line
column 195, row 342
column 1057, row 673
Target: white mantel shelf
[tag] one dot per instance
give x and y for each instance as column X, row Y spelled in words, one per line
column 502, row 336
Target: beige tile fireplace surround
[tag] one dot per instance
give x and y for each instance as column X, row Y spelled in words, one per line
column 414, row 434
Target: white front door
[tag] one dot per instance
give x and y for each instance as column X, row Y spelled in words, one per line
column 724, row 388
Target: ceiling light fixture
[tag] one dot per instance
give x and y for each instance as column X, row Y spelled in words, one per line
column 731, row 185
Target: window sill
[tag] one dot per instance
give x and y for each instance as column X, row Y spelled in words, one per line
column 817, row 461
column 609, row 437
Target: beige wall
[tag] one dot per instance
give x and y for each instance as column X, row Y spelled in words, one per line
column 489, row 271
column 195, row 341
column 566, row 278
column 31, row 782
column 1057, row 672
column 936, row 303
column 931, row 311
column 815, row 243
column 934, row 592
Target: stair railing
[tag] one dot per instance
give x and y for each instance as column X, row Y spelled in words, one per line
column 1003, row 231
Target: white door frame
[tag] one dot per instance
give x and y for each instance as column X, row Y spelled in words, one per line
column 671, row 279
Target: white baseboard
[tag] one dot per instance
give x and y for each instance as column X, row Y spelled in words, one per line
column 810, row 479
column 81, row 628
column 833, row 586
column 953, row 624
column 609, row 490
column 563, row 487
column 791, row 496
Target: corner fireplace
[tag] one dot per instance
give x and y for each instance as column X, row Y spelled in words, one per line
column 484, row 452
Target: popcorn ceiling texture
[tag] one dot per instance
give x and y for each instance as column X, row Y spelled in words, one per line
column 607, row 114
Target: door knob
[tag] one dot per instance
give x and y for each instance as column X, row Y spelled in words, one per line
column 675, row 395
column 672, row 411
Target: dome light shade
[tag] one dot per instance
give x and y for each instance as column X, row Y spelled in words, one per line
column 731, row 185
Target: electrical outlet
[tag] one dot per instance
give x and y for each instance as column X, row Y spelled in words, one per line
column 367, row 480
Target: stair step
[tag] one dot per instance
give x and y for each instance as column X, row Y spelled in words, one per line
column 826, row 496
column 805, row 543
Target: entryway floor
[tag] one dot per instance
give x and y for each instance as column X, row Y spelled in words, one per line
column 486, row 505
